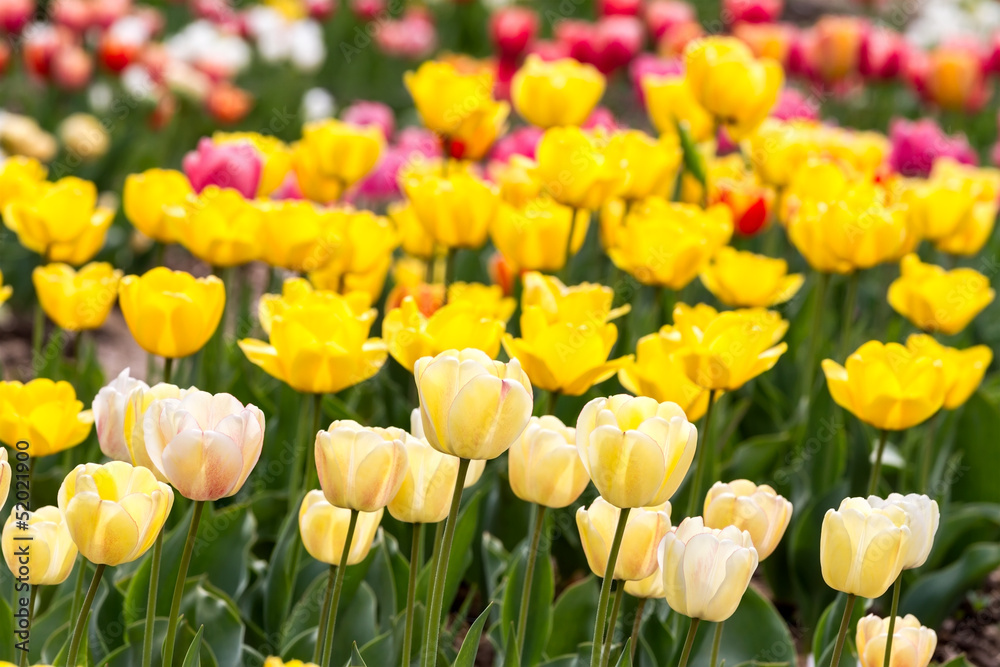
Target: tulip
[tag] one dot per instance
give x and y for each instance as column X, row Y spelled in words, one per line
column 556, row 93
column 579, row 169
column 727, row 81
column 171, row 313
column 862, row 549
column 759, row 510
column 77, row 300
column 536, row 236
column 544, row 465
column 22, row 135
column 984, row 181
column 512, row 29
column 517, row 180
column 644, row 529
column 137, row 404
column 114, row 500
column 360, row 468
column 456, row 210
column 916, row 145
column 887, row 386
column 835, row 47
column 147, row 198
column 61, row 221
column 751, row 11
column 19, row 177
column 962, row 370
column 204, row 444
column 235, row 166
column 726, row 279
column 414, row 239
column 793, row 105
column 410, row 335
column 44, row 413
column 912, row 644
column 883, row 54
column 471, row 406
column 655, row 374
column 937, row 300
column 732, row 183
column 951, row 76
column 51, row 549
column 476, row 467
column 273, row 661
column 84, row 136
column 972, row 234
column 299, row 236
column 564, row 356
column 586, row 302
column 918, row 513
column 636, row 451
column 651, row 164
column 332, row 156
column 323, row 528
column 5, row 290
column 109, row 409
column 274, row 158
column 219, row 226
column 424, row 495
column 5, row 475
column 362, row 261
column 669, row 101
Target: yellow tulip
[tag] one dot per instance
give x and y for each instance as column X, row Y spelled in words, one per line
column 40, row 553
column 887, row 386
column 668, row 244
column 861, row 548
column 817, row 179
column 937, row 300
column 759, row 510
column 275, row 155
column 556, row 92
column 984, row 181
column 940, row 207
column 544, row 465
column 488, row 300
column 171, row 313
column 580, row 169
column 477, row 134
column 332, row 156
column 730, row 83
column 414, row 238
column 918, row 513
column 5, row 475
column 147, row 198
column 655, row 374
column 691, row 550
column 360, row 468
column 273, row 661
column 651, row 164
column 298, row 292
column 912, row 644
column 516, row 179
column 44, row 413
column 77, row 300
column 973, row 233
column 724, row 351
column 5, row 290
column 204, row 444
column 562, row 355
column 410, row 335
column 219, row 226
column 471, row 406
column 744, row 280
column 19, row 177
column 114, row 511
column 535, row 237
column 670, row 100
column 323, row 528
column 644, row 529
column 636, row 450
column 456, row 210
column 362, row 261
column 297, row 235
column 963, row 370
column 61, row 221
column 425, row 493
column 583, row 303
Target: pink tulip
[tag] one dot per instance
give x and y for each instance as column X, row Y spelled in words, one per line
column 15, row 14
column 793, row 105
column 321, row 10
column 413, row 37
column 619, row 40
column 366, row 10
column 549, row 50
column 751, row 11
column 419, row 140
column 883, row 54
column 72, row 68
column 231, row 165
column 601, row 117
column 376, row 114
column 618, row 7
column 661, row 15
column 512, row 29
column 578, row 37
column 917, row 144
column 646, row 64
column 382, row 183
column 289, row 188
column 522, row 141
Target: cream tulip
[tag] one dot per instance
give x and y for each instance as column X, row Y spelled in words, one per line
column 5, row 475
column 636, row 450
column 544, row 464
column 706, row 571
column 921, row 517
column 323, row 528
column 136, row 406
column 470, row 405
column 48, row 551
column 109, row 408
column 360, row 468
column 759, row 510
column 912, row 644
column 644, row 530
column 476, row 466
column 204, row 444
column 425, row 493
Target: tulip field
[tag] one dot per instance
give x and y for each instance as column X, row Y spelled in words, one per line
column 467, row 333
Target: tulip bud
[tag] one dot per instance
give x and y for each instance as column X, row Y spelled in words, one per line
column 920, row 514
column 114, row 511
column 50, row 549
column 5, row 476
column 109, row 408
column 862, row 548
column 44, row 413
column 360, row 468
column 512, row 29
column 937, row 300
column 323, row 528
column 912, row 644
column 204, row 444
column 544, row 464
column 636, row 451
column 759, row 510
column 471, row 406
column 644, row 530
column 689, row 551
column 228, row 165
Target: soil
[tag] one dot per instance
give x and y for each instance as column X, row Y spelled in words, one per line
column 975, row 628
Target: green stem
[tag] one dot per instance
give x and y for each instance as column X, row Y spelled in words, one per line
column 636, row 626
column 609, row 634
column 705, row 454
column 529, row 573
column 154, row 582
column 411, row 593
column 877, row 467
column 892, row 619
column 609, row 575
column 667, row 298
column 81, row 621
column 569, row 244
column 168, row 367
column 849, row 303
column 553, row 398
column 845, row 623
column 689, row 642
column 23, row 662
column 74, row 608
column 441, row 570
column 175, row 603
column 311, row 475
column 323, row 615
column 338, row 587
column 429, row 271
column 715, row 644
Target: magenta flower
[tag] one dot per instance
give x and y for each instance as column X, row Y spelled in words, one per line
column 916, row 144
column 232, row 165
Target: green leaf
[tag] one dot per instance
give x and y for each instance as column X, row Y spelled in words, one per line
column 626, row 660
column 381, row 650
column 825, row 637
column 755, row 632
column 356, row 659
column 958, row 661
column 576, row 609
column 193, row 656
column 281, row 574
column 512, row 653
column 6, row 630
column 539, row 607
column 960, row 526
column 694, row 162
column 755, row 457
column 932, row 597
column 976, row 438
column 470, row 645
